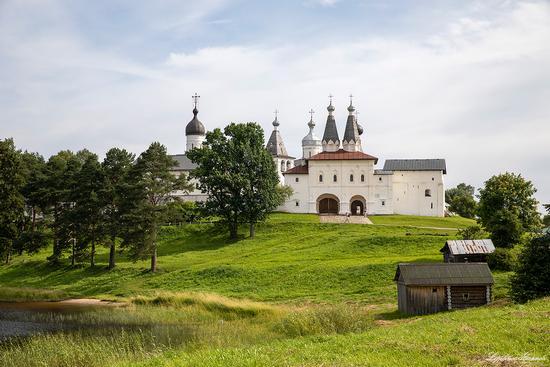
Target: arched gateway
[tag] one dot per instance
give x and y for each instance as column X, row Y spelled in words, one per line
column 357, row 205
column 328, row 204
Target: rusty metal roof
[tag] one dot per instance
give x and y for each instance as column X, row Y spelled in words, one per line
column 444, row 274
column 468, row 247
column 341, row 154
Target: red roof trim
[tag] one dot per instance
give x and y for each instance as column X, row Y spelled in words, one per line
column 298, row 170
column 343, row 155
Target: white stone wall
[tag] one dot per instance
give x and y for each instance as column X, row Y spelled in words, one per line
column 282, row 165
column 195, row 195
column 309, row 151
column 376, row 194
column 409, row 193
column 194, row 141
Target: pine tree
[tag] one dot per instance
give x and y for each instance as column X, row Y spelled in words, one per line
column 116, row 168
column 11, row 200
column 151, row 183
column 88, row 196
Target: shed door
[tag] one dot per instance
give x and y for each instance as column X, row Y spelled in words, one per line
column 438, row 299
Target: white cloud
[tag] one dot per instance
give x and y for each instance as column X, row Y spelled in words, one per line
column 475, row 93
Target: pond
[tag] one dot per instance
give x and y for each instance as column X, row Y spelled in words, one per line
column 22, row 319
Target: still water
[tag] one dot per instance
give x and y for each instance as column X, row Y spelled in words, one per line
column 17, row 319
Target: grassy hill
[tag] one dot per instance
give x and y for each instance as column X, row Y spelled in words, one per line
column 292, row 258
column 299, row 294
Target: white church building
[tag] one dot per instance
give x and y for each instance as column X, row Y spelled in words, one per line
column 335, row 176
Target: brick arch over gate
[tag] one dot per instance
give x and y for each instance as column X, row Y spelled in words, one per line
column 328, row 204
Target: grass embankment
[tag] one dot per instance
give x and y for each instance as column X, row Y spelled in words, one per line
column 208, row 330
column 292, row 258
column 318, row 294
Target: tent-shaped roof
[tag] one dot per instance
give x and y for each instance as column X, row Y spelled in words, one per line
column 444, row 274
column 468, row 247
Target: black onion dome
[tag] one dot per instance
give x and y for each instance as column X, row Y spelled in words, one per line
column 195, row 127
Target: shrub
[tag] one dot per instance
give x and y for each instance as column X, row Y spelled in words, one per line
column 532, row 278
column 501, row 259
column 474, row 232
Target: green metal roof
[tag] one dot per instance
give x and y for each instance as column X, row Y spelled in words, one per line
column 444, row 274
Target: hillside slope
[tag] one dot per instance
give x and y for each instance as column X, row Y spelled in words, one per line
column 292, row 258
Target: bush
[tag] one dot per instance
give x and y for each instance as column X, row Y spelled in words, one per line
column 501, row 259
column 182, row 212
column 532, row 278
column 474, row 232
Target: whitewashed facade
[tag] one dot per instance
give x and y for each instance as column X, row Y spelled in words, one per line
column 335, row 176
column 341, row 179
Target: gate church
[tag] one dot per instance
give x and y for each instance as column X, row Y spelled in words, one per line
column 336, row 177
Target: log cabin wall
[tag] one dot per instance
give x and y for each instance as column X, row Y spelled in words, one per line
column 468, row 296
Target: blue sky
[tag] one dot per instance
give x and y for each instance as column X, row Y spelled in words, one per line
column 466, row 80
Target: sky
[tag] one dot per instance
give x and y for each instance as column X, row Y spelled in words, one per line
column 468, row 81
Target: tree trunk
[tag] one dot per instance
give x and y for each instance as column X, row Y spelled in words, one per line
column 233, row 230
column 74, row 252
column 154, row 259
column 112, row 252
column 33, row 219
column 252, row 230
column 92, row 257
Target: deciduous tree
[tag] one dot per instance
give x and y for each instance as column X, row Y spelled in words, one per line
column 238, row 175
column 461, row 200
column 507, row 208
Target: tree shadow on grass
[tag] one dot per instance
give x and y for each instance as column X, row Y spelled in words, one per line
column 196, row 237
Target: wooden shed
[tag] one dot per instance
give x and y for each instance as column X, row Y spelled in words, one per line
column 467, row 251
column 433, row 287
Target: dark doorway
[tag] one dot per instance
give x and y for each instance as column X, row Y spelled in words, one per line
column 357, row 207
column 328, row 206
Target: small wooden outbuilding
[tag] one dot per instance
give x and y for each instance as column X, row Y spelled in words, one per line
column 467, row 251
column 424, row 288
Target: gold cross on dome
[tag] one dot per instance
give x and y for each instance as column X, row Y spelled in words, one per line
column 311, row 112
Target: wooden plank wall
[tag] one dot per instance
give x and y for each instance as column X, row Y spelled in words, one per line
column 423, row 300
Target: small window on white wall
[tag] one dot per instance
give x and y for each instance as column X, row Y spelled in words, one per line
column 433, row 178
column 379, row 178
column 350, row 178
column 432, row 205
column 334, row 178
column 428, row 193
column 320, row 178
column 297, row 179
column 297, row 203
column 383, row 203
column 362, row 178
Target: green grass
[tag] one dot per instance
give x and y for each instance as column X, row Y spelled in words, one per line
column 412, row 220
column 460, row 338
column 293, row 258
column 299, row 294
